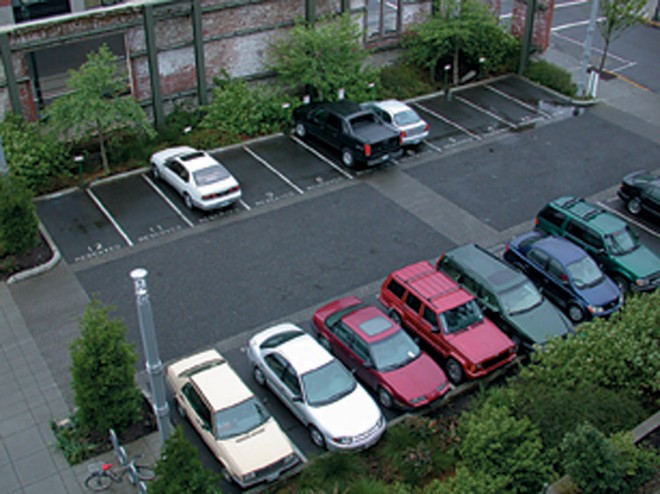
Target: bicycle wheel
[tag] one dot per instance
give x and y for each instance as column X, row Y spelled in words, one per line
column 145, row 472
column 98, row 481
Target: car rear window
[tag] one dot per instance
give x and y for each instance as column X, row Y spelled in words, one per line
column 280, row 338
column 210, row 175
column 406, row 117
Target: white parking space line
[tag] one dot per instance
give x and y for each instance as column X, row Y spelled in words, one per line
column 433, row 146
column 275, row 171
column 517, row 101
column 320, row 156
column 168, row 201
column 447, row 121
column 625, row 63
column 511, row 125
column 244, row 204
column 570, row 4
column 573, row 24
column 631, row 220
column 107, row 214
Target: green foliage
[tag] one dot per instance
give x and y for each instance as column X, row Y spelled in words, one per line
column 19, row 226
column 239, row 111
column 618, row 16
column 324, row 57
column 403, row 81
column 552, row 76
column 335, row 470
column 466, row 481
column 620, row 353
column 180, row 470
column 103, row 369
column 96, row 104
column 32, row 155
column 73, row 443
column 460, row 33
column 499, row 445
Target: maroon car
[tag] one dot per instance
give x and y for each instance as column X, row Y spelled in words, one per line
column 381, row 354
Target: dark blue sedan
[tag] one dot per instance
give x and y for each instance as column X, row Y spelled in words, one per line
column 565, row 274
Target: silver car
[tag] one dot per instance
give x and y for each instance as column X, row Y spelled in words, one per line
column 316, row 387
column 412, row 127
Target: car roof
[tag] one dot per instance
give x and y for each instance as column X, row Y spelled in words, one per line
column 488, row 268
column 344, row 107
column 303, row 352
column 370, row 323
column 435, row 287
column 197, row 160
column 563, row 250
column 392, row 105
column 591, row 214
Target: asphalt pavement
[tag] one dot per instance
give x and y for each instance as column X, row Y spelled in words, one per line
column 34, row 376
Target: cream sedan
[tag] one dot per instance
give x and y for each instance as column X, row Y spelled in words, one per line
column 233, row 423
column 197, row 176
column 337, row 411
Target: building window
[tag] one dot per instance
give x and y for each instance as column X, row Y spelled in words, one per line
column 383, row 17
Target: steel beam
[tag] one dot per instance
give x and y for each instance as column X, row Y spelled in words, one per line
column 200, row 66
column 154, row 74
column 10, row 76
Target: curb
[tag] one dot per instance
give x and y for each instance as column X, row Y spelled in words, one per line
column 42, row 268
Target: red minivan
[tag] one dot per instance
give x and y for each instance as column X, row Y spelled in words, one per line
column 447, row 319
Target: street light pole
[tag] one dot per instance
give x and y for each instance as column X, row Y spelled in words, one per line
column 586, row 52
column 153, row 364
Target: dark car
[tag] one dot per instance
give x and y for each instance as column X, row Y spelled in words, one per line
column 508, row 297
column 566, row 274
column 606, row 237
column 357, row 133
column 640, row 191
column 381, row 354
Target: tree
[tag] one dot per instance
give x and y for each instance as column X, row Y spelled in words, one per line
column 103, row 373
column 179, row 470
column 95, row 106
column 618, row 17
column 19, row 226
column 325, row 57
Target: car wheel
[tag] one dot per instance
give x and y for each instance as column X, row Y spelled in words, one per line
column 454, row 370
column 385, row 398
column 575, row 313
column 621, row 282
column 179, row 409
column 634, row 206
column 316, row 437
column 395, row 316
column 188, row 201
column 324, row 343
column 300, row 129
column 258, row 376
column 347, row 158
column 154, row 172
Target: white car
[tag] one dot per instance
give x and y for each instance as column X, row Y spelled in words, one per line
column 233, row 423
column 412, row 127
column 197, row 176
column 337, row 411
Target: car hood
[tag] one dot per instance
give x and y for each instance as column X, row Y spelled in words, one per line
column 601, row 294
column 258, row 448
column 421, row 377
column 352, row 415
column 480, row 341
column 642, row 262
column 541, row 323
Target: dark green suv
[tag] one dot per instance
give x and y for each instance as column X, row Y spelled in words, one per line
column 606, row 237
column 507, row 296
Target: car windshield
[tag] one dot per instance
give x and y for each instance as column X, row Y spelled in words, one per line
column 622, row 242
column 585, row 273
column 406, row 117
column 209, row 175
column 239, row 419
column 393, row 352
column 461, row 317
column 520, row 298
column 327, row 384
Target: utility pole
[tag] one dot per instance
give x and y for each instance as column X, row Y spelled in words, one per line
column 153, row 364
column 528, row 35
column 586, row 52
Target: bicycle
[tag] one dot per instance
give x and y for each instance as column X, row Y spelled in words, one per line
column 102, row 475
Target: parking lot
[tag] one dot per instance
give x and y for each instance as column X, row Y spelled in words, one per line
column 115, row 214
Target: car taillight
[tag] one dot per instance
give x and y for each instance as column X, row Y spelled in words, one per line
column 401, row 136
column 236, row 188
column 367, row 150
column 427, row 127
column 536, row 221
column 404, row 134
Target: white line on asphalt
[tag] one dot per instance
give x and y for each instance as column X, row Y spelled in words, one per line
column 319, row 155
column 433, row 146
column 107, row 214
column 244, row 204
column 276, row 172
column 487, row 112
column 570, row 4
column 631, row 220
column 573, row 24
column 168, row 201
column 517, row 101
column 446, row 120
column 625, row 62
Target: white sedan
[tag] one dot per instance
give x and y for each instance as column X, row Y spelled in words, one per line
column 412, row 127
column 235, row 426
column 337, row 411
column 197, row 176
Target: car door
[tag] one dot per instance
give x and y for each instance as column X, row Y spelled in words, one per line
column 316, row 122
column 362, row 362
column 199, row 415
column 431, row 331
column 333, row 134
column 651, row 201
column 538, row 271
column 177, row 176
column 561, row 284
column 283, row 382
column 340, row 340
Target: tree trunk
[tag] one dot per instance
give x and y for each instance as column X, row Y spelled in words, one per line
column 604, row 57
column 456, row 72
column 104, row 154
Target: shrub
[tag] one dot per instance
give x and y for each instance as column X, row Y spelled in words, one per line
column 180, row 470
column 552, row 76
column 103, row 370
column 19, row 226
column 403, row 81
column 332, row 471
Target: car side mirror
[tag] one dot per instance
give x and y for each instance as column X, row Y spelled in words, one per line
column 368, row 364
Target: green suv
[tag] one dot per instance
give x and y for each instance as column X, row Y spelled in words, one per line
column 507, row 296
column 606, row 237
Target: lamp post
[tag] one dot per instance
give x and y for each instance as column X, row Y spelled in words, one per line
column 79, row 159
column 482, row 66
column 447, row 68
column 186, row 132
